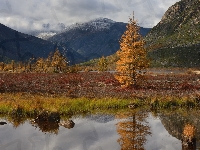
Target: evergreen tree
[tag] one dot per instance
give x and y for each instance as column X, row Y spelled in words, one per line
column 59, row 62
column 2, row 64
column 102, row 64
column 132, row 55
column 47, row 63
column 39, row 65
column 20, row 67
column 29, row 65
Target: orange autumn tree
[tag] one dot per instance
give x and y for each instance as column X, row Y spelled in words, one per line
column 59, row 62
column 132, row 55
column 102, row 64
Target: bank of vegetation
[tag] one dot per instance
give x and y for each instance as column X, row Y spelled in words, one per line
column 50, row 84
column 88, row 91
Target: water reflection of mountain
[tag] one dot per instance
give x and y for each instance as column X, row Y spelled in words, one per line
column 176, row 124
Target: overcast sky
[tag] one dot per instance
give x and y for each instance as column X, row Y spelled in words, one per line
column 26, row 15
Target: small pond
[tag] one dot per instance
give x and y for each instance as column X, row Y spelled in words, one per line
column 165, row 130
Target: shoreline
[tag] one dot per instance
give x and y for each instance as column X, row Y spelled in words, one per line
column 33, row 104
column 64, row 92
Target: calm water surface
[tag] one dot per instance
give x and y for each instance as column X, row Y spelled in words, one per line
column 121, row 131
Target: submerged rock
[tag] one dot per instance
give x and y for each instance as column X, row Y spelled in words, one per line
column 2, row 123
column 67, row 124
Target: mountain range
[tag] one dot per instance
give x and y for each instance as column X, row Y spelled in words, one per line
column 80, row 42
column 173, row 42
column 93, row 39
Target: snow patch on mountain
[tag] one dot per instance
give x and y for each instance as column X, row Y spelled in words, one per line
column 98, row 24
column 50, row 30
column 45, row 35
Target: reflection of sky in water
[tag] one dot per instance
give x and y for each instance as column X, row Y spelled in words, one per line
column 86, row 135
column 160, row 139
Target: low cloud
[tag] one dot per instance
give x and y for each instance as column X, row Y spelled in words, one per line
column 26, row 16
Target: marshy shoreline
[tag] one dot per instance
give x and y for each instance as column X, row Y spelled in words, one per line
column 90, row 91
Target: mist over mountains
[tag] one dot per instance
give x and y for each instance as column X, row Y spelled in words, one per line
column 48, row 30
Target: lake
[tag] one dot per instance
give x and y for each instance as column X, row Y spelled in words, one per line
column 163, row 130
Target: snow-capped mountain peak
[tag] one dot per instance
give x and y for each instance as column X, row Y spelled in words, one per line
column 98, row 24
column 46, row 35
column 49, row 30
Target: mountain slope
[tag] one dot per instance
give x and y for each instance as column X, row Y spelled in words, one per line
column 18, row 46
column 175, row 40
column 92, row 39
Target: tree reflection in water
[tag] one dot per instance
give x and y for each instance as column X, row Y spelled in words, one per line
column 50, row 122
column 189, row 140
column 17, row 117
column 133, row 130
column 184, row 125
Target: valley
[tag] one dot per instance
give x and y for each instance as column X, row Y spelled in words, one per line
column 100, row 83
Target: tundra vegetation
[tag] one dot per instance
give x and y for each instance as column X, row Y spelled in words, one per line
column 50, row 84
column 86, row 91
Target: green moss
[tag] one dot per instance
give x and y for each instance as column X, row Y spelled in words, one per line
column 20, row 105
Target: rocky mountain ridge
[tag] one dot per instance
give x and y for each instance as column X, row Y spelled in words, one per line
column 175, row 40
column 180, row 26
